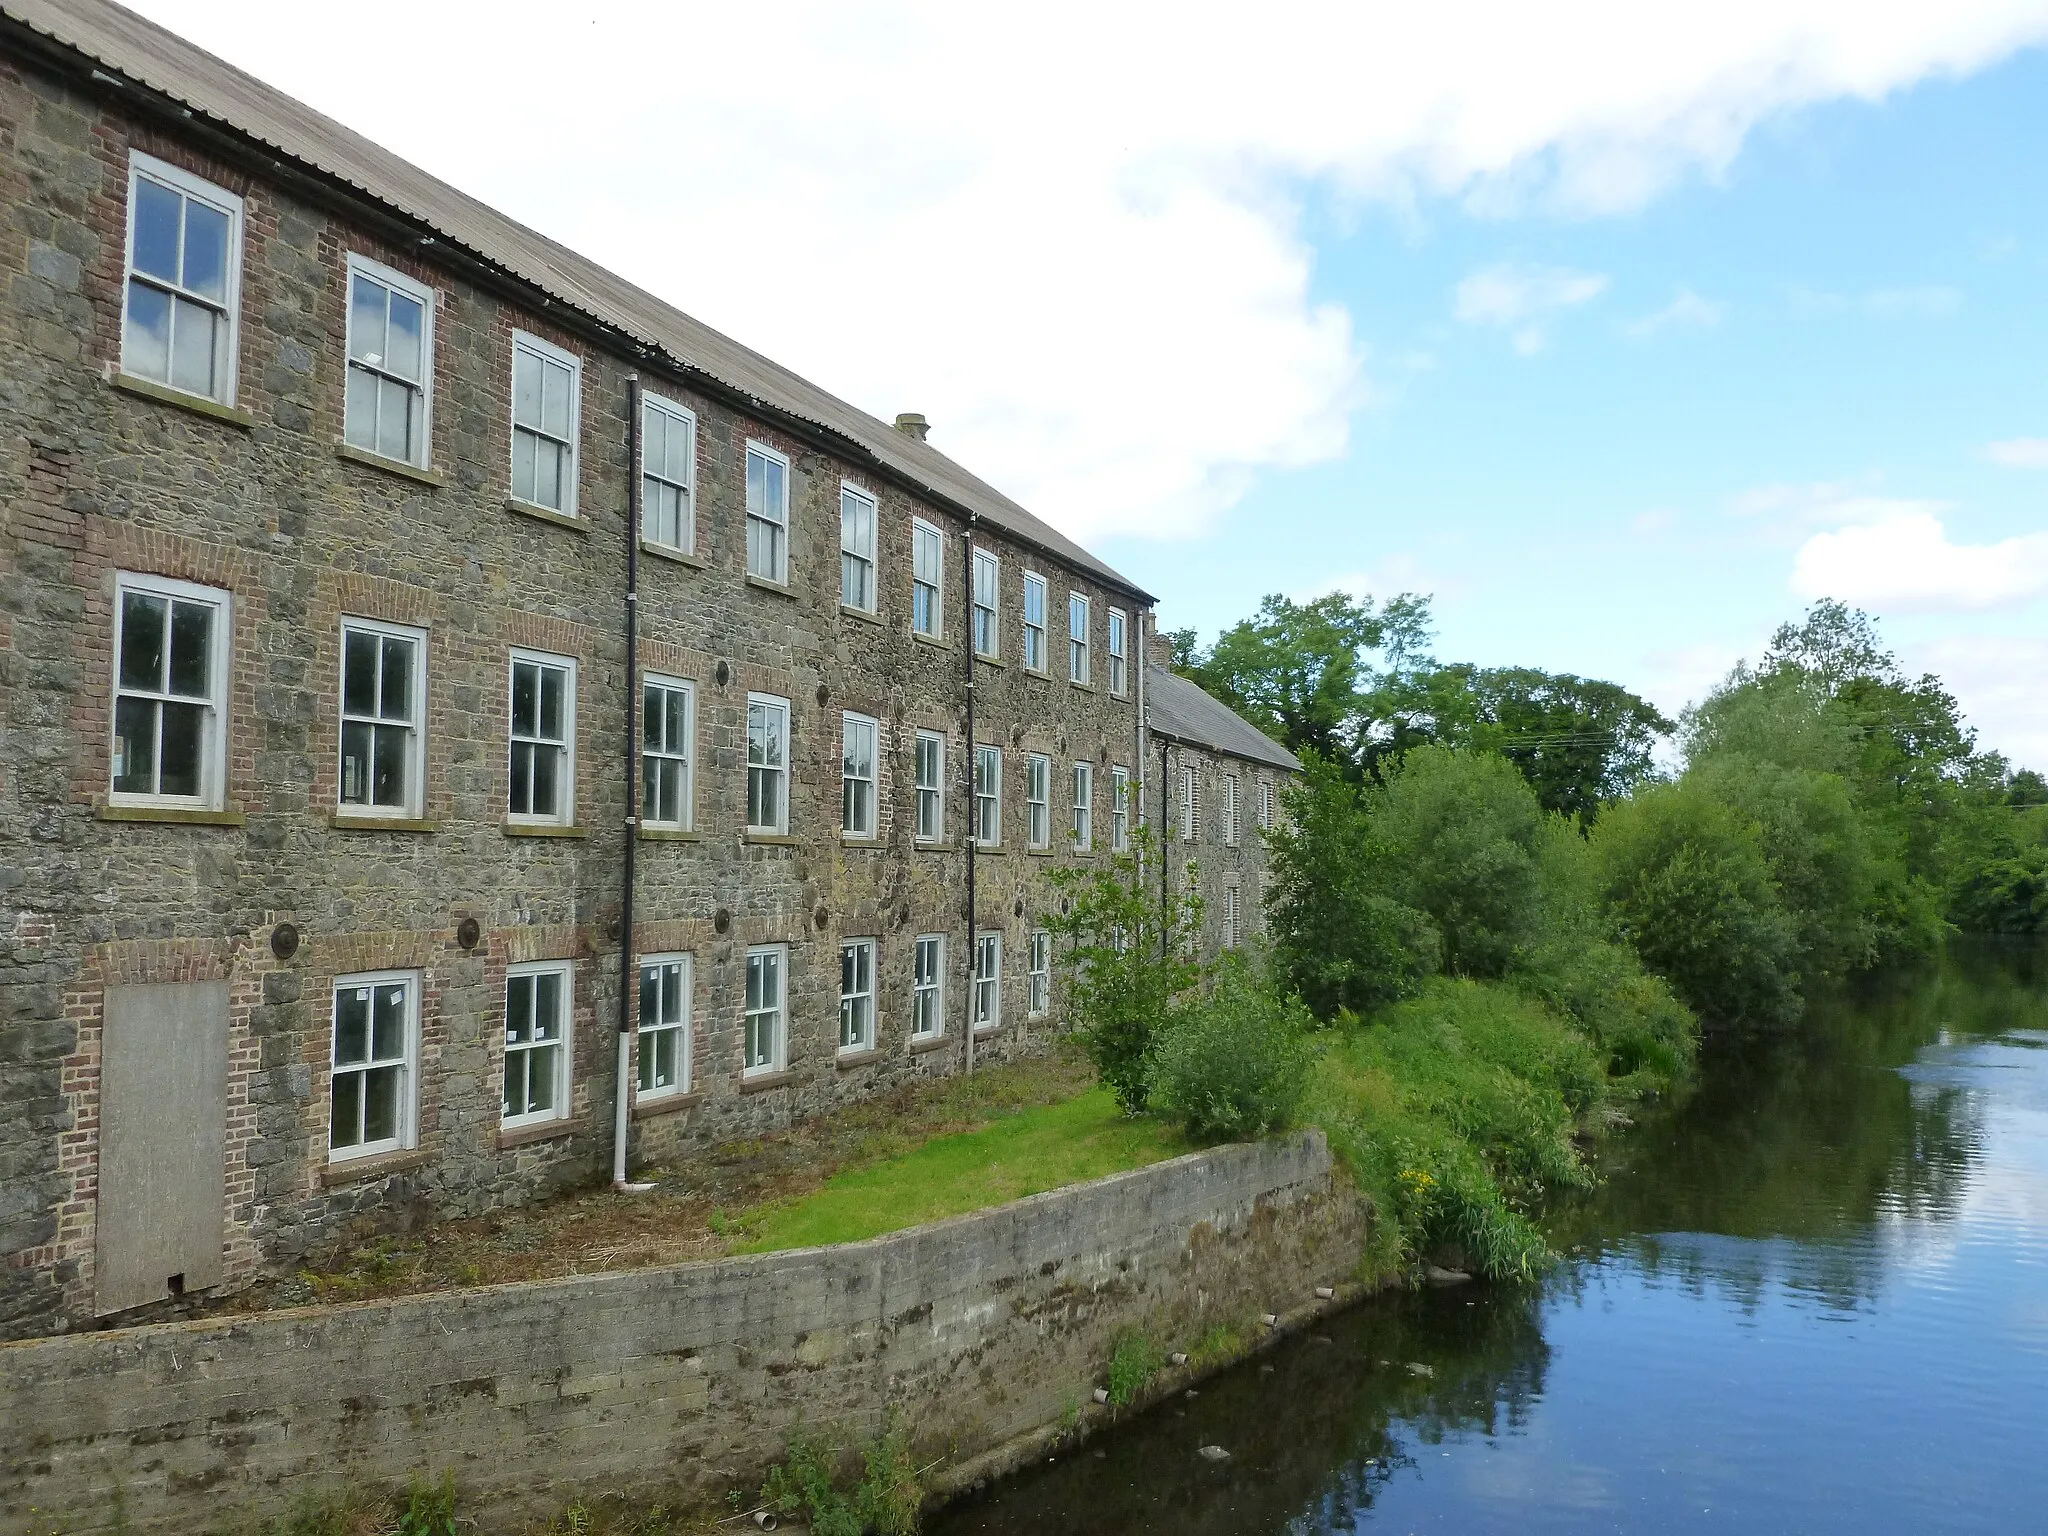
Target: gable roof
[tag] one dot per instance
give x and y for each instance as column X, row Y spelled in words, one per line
column 117, row 40
column 1177, row 708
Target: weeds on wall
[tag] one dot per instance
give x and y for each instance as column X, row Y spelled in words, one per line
column 885, row 1501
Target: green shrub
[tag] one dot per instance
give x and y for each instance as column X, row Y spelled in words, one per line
column 1127, row 968
column 429, row 1508
column 1232, row 1066
column 1688, row 880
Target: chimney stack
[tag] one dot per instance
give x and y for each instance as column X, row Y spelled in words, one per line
column 1159, row 649
column 913, row 424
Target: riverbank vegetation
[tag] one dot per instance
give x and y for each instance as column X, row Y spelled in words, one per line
column 1494, row 924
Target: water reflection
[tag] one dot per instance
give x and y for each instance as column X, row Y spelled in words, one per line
column 1812, row 1297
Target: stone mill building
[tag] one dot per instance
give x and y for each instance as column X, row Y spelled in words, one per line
column 352, row 856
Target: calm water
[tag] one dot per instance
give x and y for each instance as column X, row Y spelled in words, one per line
column 1814, row 1298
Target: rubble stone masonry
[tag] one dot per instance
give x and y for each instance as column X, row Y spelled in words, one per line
column 98, row 479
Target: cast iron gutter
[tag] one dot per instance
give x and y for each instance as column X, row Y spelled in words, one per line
column 337, row 194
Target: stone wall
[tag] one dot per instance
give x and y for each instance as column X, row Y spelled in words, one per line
column 98, row 479
column 985, row 1333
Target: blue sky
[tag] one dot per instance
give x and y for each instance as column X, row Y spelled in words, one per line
column 1841, row 321
column 1623, row 330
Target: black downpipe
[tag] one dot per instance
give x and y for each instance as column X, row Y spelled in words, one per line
column 1166, row 830
column 973, row 767
column 629, row 988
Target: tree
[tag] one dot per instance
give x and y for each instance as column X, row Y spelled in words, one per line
column 1340, row 941
column 1579, row 742
column 1354, row 684
column 1130, row 965
column 1300, row 671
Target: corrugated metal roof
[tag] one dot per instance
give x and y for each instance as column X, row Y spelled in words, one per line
column 1178, row 708
column 119, row 41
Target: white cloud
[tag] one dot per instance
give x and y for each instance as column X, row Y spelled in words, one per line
column 1905, row 562
column 1926, row 302
column 1520, row 299
column 1656, row 521
column 1997, row 681
column 1067, row 233
column 2019, row 453
column 1390, row 577
column 1687, row 311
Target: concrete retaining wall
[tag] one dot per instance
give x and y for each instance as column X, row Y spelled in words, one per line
column 983, row 1331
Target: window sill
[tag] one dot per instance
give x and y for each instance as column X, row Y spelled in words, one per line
column 176, row 815
column 935, row 845
column 926, row 1047
column 405, row 471
column 355, row 1170
column 769, row 839
column 934, row 641
column 865, row 615
column 547, row 515
column 670, row 835
column 342, row 821
column 198, row 405
column 547, row 1130
column 542, row 829
column 862, row 842
column 762, row 1082
column 779, row 588
column 846, row 1060
column 990, row 661
column 1039, row 672
column 990, row 848
column 667, row 1104
column 671, row 554
column 1038, row 853
column 987, row 1031
column 1084, row 687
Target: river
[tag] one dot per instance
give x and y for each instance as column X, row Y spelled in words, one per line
column 1813, row 1297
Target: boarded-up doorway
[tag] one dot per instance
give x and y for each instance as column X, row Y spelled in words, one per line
column 163, row 1123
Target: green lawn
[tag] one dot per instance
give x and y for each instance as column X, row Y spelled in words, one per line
column 1036, row 1149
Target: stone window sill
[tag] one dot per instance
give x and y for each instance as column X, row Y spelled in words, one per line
column 866, row 616
column 769, row 839
column 198, row 405
column 667, row 1104
column 934, row 641
column 356, row 1170
column 1044, row 673
column 1084, row 687
column 767, row 1080
column 926, row 1047
column 990, row 850
column 405, row 471
column 343, row 821
column 779, row 588
column 1038, row 853
column 990, row 661
column 528, row 1135
column 547, row 515
column 988, row 1031
column 936, row 845
column 669, row 553
column 849, row 1059
column 670, row 835
column 175, row 815
column 542, row 829
column 862, row 842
